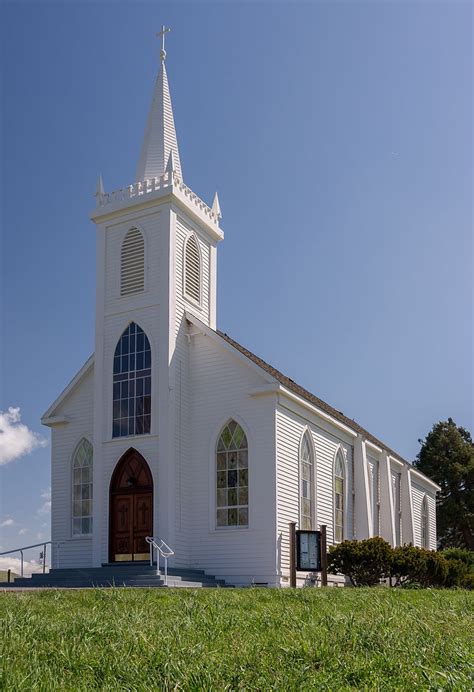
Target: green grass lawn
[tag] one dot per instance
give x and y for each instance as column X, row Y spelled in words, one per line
column 257, row 639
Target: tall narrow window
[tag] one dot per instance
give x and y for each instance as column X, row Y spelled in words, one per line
column 232, row 477
column 82, row 489
column 132, row 263
column 339, row 492
column 132, row 384
column 424, row 524
column 192, row 269
column 306, row 484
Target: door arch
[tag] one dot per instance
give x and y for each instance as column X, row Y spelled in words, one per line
column 130, row 508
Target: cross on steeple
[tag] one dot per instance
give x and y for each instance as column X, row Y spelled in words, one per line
column 164, row 30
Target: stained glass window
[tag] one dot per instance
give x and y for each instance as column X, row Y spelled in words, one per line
column 82, row 489
column 232, row 477
column 306, row 484
column 132, row 384
column 339, row 490
column 424, row 524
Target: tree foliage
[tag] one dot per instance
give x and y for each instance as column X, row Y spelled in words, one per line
column 447, row 457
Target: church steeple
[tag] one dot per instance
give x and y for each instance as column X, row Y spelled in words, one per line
column 160, row 134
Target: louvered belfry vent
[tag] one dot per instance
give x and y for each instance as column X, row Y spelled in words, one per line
column 132, row 264
column 192, row 270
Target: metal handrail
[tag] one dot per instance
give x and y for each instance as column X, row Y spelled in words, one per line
column 162, row 549
column 28, row 547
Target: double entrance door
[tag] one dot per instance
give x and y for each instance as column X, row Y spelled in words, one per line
column 132, row 521
column 131, row 509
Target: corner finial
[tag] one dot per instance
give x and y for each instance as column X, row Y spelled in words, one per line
column 164, row 30
column 216, row 207
column 99, row 190
column 170, row 166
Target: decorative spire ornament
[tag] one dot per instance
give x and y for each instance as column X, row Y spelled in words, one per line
column 160, row 134
column 170, row 166
column 162, row 33
column 216, row 207
column 99, row 190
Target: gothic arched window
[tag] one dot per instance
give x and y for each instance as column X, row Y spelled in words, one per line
column 192, row 269
column 82, row 489
column 232, row 477
column 132, row 384
column 424, row 524
column 306, row 484
column 339, row 497
column 132, row 263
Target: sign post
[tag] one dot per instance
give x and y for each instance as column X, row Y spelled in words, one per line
column 292, row 554
column 324, row 556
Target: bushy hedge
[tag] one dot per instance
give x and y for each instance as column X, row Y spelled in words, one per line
column 367, row 562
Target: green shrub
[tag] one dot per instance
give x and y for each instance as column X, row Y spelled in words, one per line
column 468, row 581
column 457, row 572
column 364, row 562
column 462, row 554
column 412, row 565
column 436, row 569
column 408, row 565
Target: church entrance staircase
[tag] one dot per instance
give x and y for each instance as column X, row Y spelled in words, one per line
column 113, row 574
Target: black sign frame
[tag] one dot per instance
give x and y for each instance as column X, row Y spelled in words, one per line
column 304, row 567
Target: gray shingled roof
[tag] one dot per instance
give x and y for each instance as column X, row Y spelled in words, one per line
column 304, row 394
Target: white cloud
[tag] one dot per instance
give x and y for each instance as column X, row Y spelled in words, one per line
column 16, row 439
column 22, row 532
column 14, row 563
column 46, row 506
column 8, row 521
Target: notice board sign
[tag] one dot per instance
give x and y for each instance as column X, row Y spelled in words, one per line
column 308, row 551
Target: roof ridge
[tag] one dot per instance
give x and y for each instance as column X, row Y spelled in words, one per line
column 306, row 394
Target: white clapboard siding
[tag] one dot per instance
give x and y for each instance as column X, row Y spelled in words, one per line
column 289, row 429
column 418, row 494
column 374, row 488
column 132, row 263
column 78, row 407
column 220, row 384
column 396, row 479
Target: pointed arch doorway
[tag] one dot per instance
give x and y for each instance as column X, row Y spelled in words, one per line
column 130, row 509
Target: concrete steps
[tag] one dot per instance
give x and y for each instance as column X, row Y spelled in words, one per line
column 126, row 574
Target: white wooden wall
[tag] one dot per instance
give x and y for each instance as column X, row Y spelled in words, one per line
column 78, row 407
column 290, row 427
column 418, row 493
column 222, row 386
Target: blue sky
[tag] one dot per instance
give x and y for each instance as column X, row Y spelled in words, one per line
column 339, row 138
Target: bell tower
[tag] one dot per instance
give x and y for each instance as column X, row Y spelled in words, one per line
column 156, row 260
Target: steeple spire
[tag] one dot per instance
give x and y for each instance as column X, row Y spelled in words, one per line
column 160, row 134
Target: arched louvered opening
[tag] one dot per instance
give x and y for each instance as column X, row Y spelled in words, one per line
column 132, row 263
column 82, row 489
column 339, row 497
column 232, row 476
column 306, row 483
column 424, row 524
column 192, row 269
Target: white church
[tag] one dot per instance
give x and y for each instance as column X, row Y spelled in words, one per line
column 173, row 430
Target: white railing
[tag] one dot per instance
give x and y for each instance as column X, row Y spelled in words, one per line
column 29, row 547
column 145, row 187
column 162, row 549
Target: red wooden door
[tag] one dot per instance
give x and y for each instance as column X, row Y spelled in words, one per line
column 142, row 525
column 131, row 509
